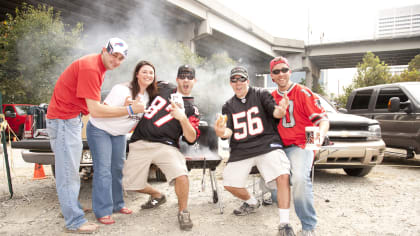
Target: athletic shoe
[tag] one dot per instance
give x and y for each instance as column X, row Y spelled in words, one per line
column 286, row 230
column 246, row 209
column 154, row 202
column 184, row 220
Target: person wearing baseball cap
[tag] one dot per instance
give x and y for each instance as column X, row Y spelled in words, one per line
column 156, row 140
column 304, row 110
column 254, row 141
column 78, row 92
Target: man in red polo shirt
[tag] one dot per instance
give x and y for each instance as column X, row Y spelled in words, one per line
column 76, row 93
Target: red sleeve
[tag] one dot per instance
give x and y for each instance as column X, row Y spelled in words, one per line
column 194, row 121
column 313, row 109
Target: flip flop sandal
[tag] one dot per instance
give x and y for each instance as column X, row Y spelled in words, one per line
column 125, row 210
column 106, row 220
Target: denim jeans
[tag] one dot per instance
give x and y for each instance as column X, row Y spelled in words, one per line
column 301, row 183
column 108, row 154
column 66, row 143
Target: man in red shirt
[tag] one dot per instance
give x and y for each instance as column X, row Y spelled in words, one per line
column 304, row 110
column 76, row 93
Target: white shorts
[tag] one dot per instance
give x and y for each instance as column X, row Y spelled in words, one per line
column 142, row 154
column 270, row 165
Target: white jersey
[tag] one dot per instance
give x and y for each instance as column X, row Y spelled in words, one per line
column 119, row 125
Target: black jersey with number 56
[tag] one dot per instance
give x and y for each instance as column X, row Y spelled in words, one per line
column 251, row 120
column 158, row 125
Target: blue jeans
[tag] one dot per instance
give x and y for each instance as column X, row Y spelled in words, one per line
column 66, row 143
column 108, row 154
column 300, row 178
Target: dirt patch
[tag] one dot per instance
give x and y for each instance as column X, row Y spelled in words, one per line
column 385, row 202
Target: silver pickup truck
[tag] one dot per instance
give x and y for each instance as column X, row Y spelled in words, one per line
column 357, row 145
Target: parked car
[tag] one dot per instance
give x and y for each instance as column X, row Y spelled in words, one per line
column 357, row 145
column 16, row 115
column 396, row 107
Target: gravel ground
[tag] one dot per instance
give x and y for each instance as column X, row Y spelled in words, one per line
column 386, row 202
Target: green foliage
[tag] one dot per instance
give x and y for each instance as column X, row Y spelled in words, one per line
column 372, row 71
column 414, row 64
column 412, row 73
column 35, row 49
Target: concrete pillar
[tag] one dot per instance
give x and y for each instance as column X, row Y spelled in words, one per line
column 312, row 72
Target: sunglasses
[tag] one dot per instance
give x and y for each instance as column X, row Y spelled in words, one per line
column 282, row 70
column 236, row 79
column 185, row 76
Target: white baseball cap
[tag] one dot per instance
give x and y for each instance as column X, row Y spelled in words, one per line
column 117, row 45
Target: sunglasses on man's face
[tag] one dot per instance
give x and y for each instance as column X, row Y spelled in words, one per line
column 282, row 70
column 185, row 76
column 236, row 79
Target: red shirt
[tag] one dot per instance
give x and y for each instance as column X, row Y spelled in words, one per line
column 80, row 80
column 304, row 110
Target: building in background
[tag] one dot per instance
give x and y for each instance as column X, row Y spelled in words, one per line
column 402, row 21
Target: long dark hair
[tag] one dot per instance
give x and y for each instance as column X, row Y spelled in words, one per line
column 134, row 84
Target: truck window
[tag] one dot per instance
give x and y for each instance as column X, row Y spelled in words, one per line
column 22, row 110
column 361, row 99
column 386, row 93
column 9, row 108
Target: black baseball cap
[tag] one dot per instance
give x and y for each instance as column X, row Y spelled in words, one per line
column 186, row 69
column 239, row 70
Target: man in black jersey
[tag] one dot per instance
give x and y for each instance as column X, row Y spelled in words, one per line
column 171, row 115
column 254, row 141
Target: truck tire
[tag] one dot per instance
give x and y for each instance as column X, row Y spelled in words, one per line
column 358, row 172
column 21, row 130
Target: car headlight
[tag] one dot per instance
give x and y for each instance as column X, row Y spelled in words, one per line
column 374, row 132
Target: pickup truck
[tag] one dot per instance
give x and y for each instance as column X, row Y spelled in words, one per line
column 397, row 108
column 16, row 116
column 37, row 149
column 357, row 145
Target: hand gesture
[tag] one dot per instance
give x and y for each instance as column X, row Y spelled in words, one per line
column 128, row 101
column 138, row 106
column 177, row 112
column 281, row 108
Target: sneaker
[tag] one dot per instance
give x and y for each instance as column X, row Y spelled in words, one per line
column 267, row 202
column 286, row 230
column 154, row 202
column 184, row 220
column 308, row 233
column 246, row 209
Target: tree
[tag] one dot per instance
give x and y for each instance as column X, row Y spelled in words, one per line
column 35, row 49
column 412, row 73
column 372, row 71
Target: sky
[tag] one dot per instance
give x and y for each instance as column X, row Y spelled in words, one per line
column 316, row 22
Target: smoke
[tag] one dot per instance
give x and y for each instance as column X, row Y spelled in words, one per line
column 156, row 38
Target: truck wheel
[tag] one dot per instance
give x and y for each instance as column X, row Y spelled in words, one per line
column 53, row 170
column 21, row 130
column 358, row 172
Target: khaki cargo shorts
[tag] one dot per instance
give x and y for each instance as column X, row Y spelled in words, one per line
column 270, row 165
column 142, row 154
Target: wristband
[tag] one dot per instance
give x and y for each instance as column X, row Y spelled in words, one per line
column 131, row 109
column 128, row 110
